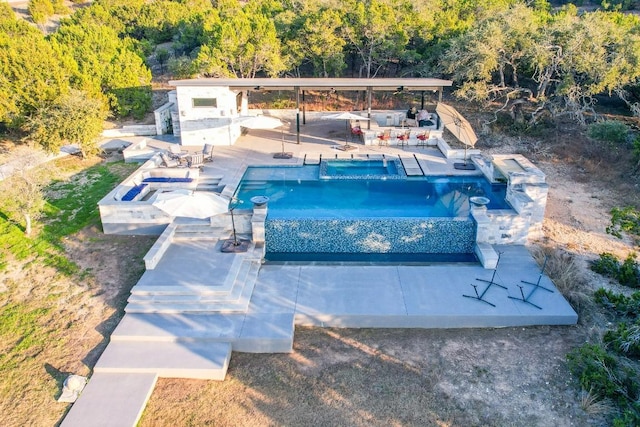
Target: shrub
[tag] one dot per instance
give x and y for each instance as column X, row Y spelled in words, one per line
column 609, row 376
column 625, row 339
column 610, row 131
column 629, row 274
column 607, row 265
column 626, row 220
column 40, row 10
column 626, row 274
column 626, row 306
column 592, row 365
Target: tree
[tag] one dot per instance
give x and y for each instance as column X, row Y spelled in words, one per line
column 241, row 42
column 32, row 72
column 107, row 66
column 162, row 56
column 23, row 191
column 565, row 60
column 490, row 58
column 75, row 119
column 376, row 32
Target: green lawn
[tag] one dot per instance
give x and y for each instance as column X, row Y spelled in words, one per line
column 43, row 292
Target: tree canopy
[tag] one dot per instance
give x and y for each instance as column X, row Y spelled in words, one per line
column 533, row 60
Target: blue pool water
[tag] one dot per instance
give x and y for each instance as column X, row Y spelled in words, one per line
column 423, row 219
column 373, row 167
column 362, row 169
column 306, row 196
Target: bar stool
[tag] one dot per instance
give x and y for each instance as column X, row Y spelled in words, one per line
column 394, row 138
column 423, row 138
column 403, row 139
column 383, row 138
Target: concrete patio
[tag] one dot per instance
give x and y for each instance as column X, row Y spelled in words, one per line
column 196, row 305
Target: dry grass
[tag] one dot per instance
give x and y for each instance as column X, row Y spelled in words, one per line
column 565, row 274
column 593, row 404
column 55, row 321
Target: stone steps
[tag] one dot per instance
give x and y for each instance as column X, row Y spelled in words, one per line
column 232, row 285
column 210, row 183
column 199, row 229
column 237, row 300
column 198, row 360
column 249, row 333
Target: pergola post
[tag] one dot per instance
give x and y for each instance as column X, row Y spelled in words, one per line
column 297, row 89
column 304, row 110
column 369, row 94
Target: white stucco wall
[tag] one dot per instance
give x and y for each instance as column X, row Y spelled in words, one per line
column 207, row 125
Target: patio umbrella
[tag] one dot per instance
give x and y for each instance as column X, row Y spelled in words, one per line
column 259, row 122
column 265, row 122
column 460, row 128
column 346, row 116
column 191, row 204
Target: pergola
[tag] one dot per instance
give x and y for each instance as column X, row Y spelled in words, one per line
column 300, row 85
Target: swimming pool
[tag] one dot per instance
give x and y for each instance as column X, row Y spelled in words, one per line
column 299, row 193
column 424, row 219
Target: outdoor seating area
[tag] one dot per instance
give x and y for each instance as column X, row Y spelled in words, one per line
column 129, row 208
column 390, row 128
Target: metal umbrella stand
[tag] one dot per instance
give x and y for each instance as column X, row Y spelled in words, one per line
column 234, row 245
column 265, row 122
column 346, row 116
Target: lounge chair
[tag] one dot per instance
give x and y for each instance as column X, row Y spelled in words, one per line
column 169, row 162
column 176, row 152
column 207, row 152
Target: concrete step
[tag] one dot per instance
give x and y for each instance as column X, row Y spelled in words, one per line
column 213, row 188
column 210, row 179
column 111, row 400
column 237, row 301
column 197, row 360
column 250, row 333
column 186, row 289
column 198, row 294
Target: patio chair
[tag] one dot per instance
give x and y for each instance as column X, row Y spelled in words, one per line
column 169, row 162
column 383, row 138
column 403, row 139
column 423, row 138
column 195, row 160
column 176, row 152
column 207, row 152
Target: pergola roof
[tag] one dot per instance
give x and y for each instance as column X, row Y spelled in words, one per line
column 409, row 84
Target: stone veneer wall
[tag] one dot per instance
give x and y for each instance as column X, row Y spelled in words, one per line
column 376, row 235
column 526, row 192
